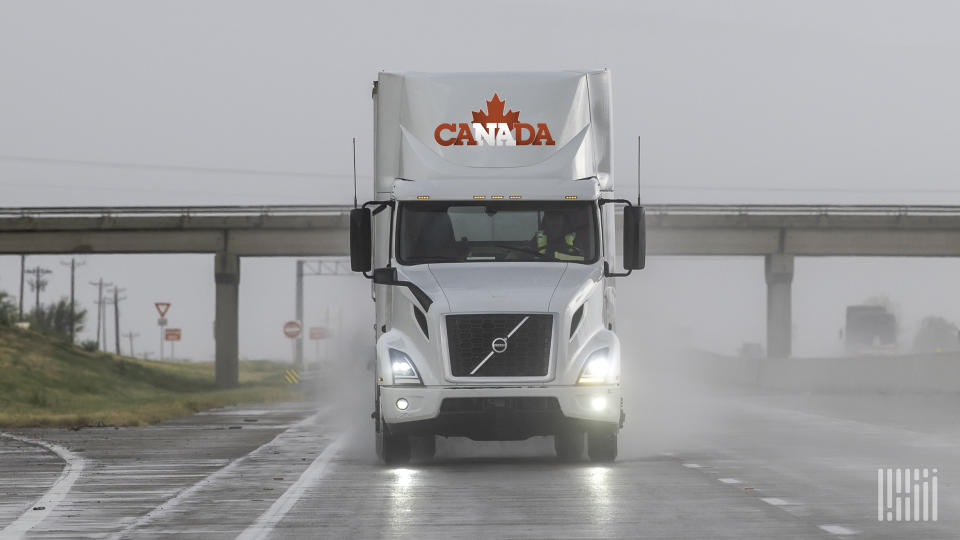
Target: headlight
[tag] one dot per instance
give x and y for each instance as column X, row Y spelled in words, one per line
column 404, row 372
column 596, row 368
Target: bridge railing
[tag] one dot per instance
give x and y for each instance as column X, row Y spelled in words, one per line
column 97, row 211
column 803, row 209
column 654, row 209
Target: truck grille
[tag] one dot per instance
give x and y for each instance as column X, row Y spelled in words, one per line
column 527, row 352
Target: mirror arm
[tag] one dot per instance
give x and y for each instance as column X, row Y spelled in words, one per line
column 381, row 205
column 608, row 273
column 607, row 201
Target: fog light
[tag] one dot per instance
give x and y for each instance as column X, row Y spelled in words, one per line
column 598, row 403
column 402, row 404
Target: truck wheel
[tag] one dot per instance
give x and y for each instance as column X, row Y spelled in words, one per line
column 423, row 447
column 391, row 449
column 394, row 449
column 569, row 445
column 602, row 446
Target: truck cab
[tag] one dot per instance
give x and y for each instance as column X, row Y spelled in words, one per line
column 492, row 248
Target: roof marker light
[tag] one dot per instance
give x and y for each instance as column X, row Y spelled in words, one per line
column 515, row 196
column 479, row 196
column 423, row 197
column 496, row 196
column 570, row 197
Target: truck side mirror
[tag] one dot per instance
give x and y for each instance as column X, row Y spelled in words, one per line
column 634, row 238
column 360, row 240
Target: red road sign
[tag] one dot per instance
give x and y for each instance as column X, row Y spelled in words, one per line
column 318, row 332
column 291, row 329
column 171, row 334
column 162, row 307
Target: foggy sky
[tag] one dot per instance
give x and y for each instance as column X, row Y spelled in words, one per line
column 760, row 101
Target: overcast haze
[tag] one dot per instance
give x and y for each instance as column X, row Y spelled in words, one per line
column 121, row 103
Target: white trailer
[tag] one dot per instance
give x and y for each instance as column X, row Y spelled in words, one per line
column 492, row 248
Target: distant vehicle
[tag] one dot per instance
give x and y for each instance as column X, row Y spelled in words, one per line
column 492, row 247
column 870, row 329
column 936, row 334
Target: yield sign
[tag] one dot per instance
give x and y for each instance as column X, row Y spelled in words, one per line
column 162, row 307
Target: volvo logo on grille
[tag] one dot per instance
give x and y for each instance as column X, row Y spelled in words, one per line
column 499, row 345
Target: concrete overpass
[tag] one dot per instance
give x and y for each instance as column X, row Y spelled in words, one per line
column 777, row 233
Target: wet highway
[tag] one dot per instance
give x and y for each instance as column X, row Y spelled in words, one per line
column 723, row 466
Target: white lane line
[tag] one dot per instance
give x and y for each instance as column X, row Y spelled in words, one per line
column 692, row 465
column 53, row 496
column 839, row 529
column 275, row 514
column 775, row 501
column 186, row 492
column 729, row 480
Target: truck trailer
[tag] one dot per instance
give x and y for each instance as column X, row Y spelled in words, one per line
column 492, row 248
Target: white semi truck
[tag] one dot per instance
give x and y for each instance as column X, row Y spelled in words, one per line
column 492, row 248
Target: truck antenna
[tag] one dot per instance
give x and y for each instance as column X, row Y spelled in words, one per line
column 354, row 172
column 638, row 170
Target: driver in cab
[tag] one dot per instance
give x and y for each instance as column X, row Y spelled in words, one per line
column 555, row 238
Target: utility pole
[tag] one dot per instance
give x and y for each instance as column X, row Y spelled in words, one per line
column 99, row 301
column 73, row 264
column 23, row 270
column 116, row 315
column 37, row 283
column 130, row 336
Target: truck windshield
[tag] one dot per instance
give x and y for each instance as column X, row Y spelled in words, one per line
column 481, row 231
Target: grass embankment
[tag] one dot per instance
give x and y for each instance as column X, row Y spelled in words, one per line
column 47, row 382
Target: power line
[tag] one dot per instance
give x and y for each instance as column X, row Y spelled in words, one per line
column 99, row 284
column 37, row 283
column 130, row 336
column 167, row 167
column 116, row 315
column 73, row 264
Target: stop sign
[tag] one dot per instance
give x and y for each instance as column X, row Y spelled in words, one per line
column 291, row 329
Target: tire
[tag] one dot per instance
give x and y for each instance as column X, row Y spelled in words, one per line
column 391, row 449
column 569, row 445
column 602, row 447
column 423, row 447
column 394, row 449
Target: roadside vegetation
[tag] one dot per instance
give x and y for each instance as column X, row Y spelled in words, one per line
column 46, row 381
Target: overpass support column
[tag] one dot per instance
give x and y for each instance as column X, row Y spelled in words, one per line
column 779, row 274
column 226, row 326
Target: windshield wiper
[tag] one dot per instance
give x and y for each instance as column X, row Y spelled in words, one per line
column 527, row 251
column 429, row 260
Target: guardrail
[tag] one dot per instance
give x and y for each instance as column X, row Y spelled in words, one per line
column 97, row 211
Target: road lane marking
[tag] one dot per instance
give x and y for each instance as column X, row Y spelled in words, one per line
column 57, row 492
column 776, row 501
column 186, row 492
column 729, row 480
column 692, row 465
column 839, row 529
column 275, row 514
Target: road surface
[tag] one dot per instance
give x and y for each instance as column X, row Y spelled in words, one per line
column 710, row 466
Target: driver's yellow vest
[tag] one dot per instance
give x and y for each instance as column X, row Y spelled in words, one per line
column 568, row 240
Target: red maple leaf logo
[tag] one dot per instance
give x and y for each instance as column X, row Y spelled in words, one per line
column 495, row 114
